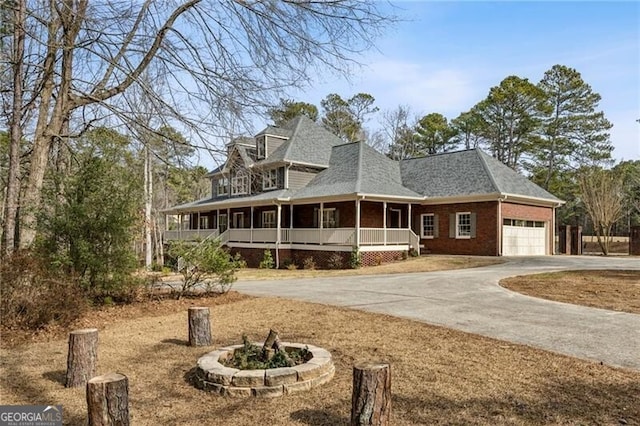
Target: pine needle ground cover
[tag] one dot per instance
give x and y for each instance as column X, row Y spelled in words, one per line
column 439, row 376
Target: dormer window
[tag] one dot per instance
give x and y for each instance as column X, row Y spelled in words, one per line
column 240, row 184
column 261, row 147
column 223, row 186
column 270, row 179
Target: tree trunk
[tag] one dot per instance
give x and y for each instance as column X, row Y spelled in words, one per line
column 148, row 198
column 82, row 356
column 108, row 400
column 199, row 327
column 371, row 398
column 15, row 131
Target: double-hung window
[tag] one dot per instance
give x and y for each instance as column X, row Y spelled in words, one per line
column 223, row 186
column 270, row 179
column 261, row 147
column 463, row 225
column 427, row 225
column 269, row 219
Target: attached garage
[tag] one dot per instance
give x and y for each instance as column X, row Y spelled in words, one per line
column 524, row 238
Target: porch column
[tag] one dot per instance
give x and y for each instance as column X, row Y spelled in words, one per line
column 180, row 226
column 251, row 221
column 278, row 218
column 358, row 223
column 290, row 217
column 384, row 222
column 320, row 217
column 409, row 224
column 198, row 222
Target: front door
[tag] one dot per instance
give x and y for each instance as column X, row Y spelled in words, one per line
column 394, row 218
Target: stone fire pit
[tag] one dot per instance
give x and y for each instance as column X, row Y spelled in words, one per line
column 212, row 376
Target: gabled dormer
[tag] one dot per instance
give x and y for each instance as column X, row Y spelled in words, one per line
column 269, row 140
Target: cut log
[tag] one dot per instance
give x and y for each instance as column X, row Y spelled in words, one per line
column 273, row 345
column 371, row 398
column 270, row 340
column 81, row 357
column 108, row 400
column 199, row 327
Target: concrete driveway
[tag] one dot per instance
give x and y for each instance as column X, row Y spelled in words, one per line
column 471, row 300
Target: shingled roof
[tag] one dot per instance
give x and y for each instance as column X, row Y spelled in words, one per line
column 308, row 143
column 467, row 173
column 356, row 168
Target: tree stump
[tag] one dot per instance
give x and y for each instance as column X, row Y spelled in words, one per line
column 82, row 357
column 108, row 400
column 199, row 327
column 371, row 398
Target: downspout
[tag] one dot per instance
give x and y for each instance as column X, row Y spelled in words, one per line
column 500, row 200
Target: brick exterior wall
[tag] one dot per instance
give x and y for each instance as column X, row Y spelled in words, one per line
column 322, row 259
column 484, row 244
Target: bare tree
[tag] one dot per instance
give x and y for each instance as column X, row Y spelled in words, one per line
column 13, row 183
column 603, row 197
column 399, row 127
column 222, row 59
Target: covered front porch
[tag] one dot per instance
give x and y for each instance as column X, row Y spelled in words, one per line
column 355, row 223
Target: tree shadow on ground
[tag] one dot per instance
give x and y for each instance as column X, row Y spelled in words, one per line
column 178, row 342
column 326, row 417
column 56, row 376
column 562, row 402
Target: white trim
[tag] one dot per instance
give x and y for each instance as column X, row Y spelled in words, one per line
column 433, row 226
column 235, row 222
column 310, row 247
column 267, row 178
column 458, row 236
column 268, row 213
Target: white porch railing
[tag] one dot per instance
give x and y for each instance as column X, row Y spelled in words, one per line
column 189, row 234
column 325, row 236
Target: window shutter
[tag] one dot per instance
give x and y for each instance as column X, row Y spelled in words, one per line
column 473, row 225
column 452, row 225
column 436, row 232
column 280, row 178
column 316, row 212
column 337, row 216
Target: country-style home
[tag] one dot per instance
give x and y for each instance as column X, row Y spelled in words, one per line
column 303, row 193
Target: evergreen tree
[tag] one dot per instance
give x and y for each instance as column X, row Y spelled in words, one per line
column 434, row 135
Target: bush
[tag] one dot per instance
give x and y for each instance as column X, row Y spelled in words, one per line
column 335, row 261
column 414, row 253
column 355, row 261
column 267, row 261
column 205, row 266
column 378, row 260
column 292, row 267
column 404, row 255
column 309, row 263
column 35, row 295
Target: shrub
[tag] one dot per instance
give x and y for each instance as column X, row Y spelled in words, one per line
column 414, row 253
column 205, row 266
column 404, row 255
column 355, row 261
column 378, row 260
column 35, row 295
column 292, row 267
column 267, row 261
column 335, row 261
column 309, row 263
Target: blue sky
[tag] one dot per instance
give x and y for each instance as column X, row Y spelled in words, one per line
column 446, row 56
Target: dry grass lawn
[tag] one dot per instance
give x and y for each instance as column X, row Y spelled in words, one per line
column 417, row 264
column 607, row 289
column 439, row 376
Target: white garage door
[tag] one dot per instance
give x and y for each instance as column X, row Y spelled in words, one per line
column 524, row 238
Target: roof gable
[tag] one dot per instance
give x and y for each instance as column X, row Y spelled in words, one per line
column 309, row 143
